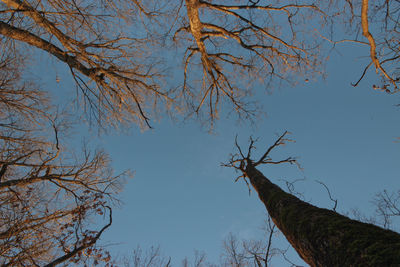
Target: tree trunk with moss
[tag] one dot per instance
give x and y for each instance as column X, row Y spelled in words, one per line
column 323, row 237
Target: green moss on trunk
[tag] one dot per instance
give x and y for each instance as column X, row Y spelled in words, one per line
column 323, row 237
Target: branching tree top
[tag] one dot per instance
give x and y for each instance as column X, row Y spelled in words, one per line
column 228, row 46
column 110, row 67
column 228, row 49
column 49, row 195
column 321, row 237
column 49, row 198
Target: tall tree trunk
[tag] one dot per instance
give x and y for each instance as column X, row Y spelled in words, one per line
column 323, row 237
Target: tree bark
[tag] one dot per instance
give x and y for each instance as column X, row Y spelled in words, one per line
column 323, row 237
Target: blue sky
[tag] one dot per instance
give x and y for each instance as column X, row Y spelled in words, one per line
column 183, row 200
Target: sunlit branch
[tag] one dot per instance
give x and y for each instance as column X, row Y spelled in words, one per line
column 372, row 44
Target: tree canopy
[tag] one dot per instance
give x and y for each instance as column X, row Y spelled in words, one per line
column 118, row 54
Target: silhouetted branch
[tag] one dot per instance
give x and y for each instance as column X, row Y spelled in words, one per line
column 335, row 201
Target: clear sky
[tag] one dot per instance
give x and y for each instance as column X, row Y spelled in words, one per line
column 183, row 200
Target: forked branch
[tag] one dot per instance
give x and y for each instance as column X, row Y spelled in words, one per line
column 241, row 161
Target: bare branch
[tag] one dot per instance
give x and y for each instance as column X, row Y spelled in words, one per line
column 372, row 43
column 280, row 141
column 85, row 245
column 329, row 194
column 236, row 40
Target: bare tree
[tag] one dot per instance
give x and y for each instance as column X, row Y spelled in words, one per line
column 153, row 257
column 245, row 252
column 233, row 256
column 47, row 207
column 378, row 21
column 321, row 237
column 387, row 208
column 114, row 72
column 149, row 258
column 198, row 261
column 231, row 45
column 49, row 195
column 228, row 46
column 254, row 252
